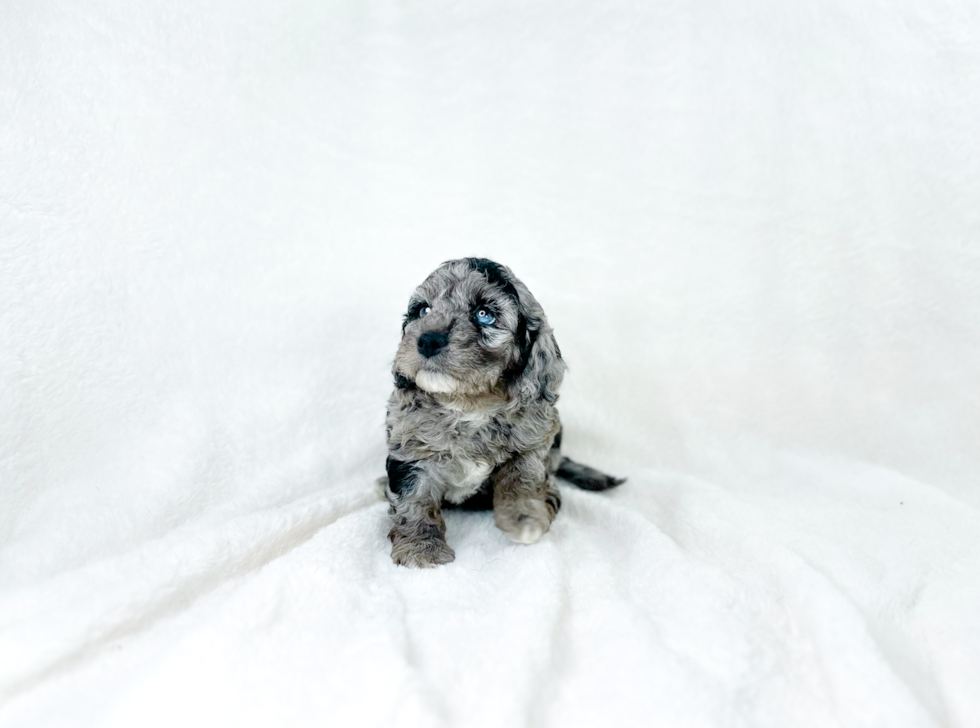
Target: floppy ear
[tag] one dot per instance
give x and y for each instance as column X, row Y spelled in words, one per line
column 540, row 369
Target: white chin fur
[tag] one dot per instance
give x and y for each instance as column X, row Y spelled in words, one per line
column 436, row 383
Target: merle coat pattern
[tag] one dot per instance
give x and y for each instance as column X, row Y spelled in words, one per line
column 472, row 419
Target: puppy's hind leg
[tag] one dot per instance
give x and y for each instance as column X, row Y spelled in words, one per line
column 418, row 530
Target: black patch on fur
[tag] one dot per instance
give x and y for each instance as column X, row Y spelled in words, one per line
column 525, row 340
column 482, row 500
column 527, row 334
column 402, row 475
column 556, row 445
column 495, row 275
column 403, row 382
column 501, row 432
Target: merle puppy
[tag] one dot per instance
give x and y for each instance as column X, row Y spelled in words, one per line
column 472, row 420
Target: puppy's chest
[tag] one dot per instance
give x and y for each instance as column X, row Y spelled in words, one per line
column 460, row 430
column 444, row 435
column 472, row 437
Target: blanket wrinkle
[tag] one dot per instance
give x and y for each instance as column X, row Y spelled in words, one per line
column 882, row 631
column 753, row 234
column 543, row 691
column 221, row 554
column 779, row 559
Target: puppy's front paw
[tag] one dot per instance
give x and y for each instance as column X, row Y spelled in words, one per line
column 421, row 553
column 524, row 521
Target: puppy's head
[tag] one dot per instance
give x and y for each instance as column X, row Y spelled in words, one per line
column 473, row 328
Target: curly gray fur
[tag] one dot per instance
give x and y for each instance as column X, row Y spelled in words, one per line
column 472, row 419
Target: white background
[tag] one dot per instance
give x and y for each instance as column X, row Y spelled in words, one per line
column 755, row 228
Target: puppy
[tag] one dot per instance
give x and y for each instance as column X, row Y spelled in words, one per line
column 472, row 420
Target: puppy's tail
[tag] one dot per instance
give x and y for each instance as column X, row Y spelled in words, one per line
column 585, row 477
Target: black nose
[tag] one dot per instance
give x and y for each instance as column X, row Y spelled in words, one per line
column 431, row 342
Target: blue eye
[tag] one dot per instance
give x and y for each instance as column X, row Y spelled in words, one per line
column 484, row 317
column 424, row 311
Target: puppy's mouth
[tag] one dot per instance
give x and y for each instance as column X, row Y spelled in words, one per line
column 436, row 382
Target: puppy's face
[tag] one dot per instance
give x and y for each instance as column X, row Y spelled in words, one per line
column 465, row 331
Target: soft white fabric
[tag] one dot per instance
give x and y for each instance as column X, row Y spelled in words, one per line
column 754, row 227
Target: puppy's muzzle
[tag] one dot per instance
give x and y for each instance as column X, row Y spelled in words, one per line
column 432, row 342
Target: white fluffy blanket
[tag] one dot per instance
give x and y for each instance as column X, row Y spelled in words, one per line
column 754, row 227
